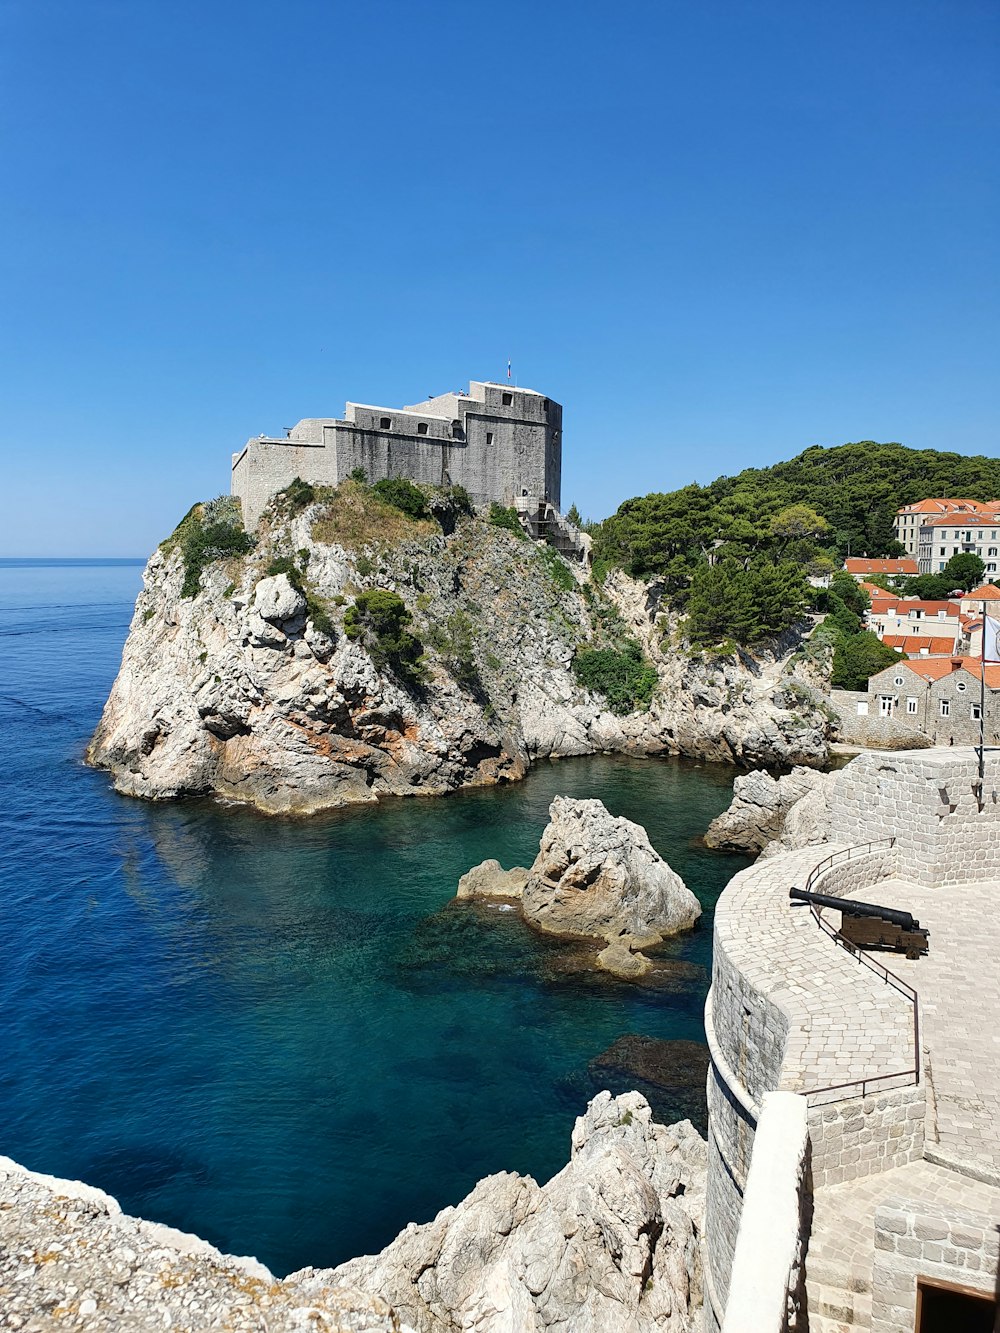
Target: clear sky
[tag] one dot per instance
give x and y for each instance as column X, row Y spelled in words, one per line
column 718, row 231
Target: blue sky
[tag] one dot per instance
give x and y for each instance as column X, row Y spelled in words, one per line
column 718, row 231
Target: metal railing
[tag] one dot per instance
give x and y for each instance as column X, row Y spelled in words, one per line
column 861, row 1086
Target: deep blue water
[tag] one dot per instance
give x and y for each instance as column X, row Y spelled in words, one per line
column 277, row 1033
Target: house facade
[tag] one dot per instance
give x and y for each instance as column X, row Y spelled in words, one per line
column 910, row 518
column 939, row 698
column 942, row 536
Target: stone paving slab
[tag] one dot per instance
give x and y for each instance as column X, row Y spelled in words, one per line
column 958, row 983
column 841, row 1253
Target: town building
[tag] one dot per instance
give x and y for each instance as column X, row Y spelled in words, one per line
column 942, row 536
column 861, row 568
column 914, row 625
column 910, row 518
column 939, row 697
column 502, row 443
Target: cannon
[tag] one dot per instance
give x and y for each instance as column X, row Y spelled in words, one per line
column 869, row 926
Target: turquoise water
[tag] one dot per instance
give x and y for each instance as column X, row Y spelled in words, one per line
column 275, row 1033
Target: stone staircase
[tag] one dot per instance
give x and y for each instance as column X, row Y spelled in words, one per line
column 840, row 1297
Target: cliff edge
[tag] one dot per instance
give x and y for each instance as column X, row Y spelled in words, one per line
column 348, row 651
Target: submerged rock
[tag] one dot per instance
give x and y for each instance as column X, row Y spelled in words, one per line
column 599, row 877
column 610, row 1243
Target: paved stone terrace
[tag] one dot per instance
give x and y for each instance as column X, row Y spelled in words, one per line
column 840, row 1259
column 846, row 1023
column 959, row 987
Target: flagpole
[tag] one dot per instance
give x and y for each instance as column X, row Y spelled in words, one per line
column 982, row 709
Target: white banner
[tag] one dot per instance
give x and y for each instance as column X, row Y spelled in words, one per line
column 991, row 639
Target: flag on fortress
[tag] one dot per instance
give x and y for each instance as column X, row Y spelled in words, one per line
column 991, row 639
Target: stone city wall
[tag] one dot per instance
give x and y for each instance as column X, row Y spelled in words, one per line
column 910, row 1240
column 928, row 800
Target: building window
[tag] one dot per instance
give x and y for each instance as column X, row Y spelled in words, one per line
column 975, row 712
column 943, row 552
column 992, row 551
column 960, row 686
column 940, row 565
column 945, row 705
column 507, row 399
column 545, row 408
column 991, row 568
column 489, row 438
column 897, row 680
column 911, row 704
column 421, row 427
column 456, row 430
column 385, row 423
column 885, row 702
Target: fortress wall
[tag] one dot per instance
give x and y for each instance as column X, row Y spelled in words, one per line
column 927, row 799
column 266, row 466
column 385, row 454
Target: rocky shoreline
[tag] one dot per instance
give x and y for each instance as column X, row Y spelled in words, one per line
column 252, row 690
column 610, row 1243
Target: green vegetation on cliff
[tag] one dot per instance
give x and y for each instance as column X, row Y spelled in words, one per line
column 771, row 528
column 379, row 620
column 208, row 532
column 622, row 676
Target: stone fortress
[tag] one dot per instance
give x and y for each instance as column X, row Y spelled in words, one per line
column 854, row 1097
column 502, row 443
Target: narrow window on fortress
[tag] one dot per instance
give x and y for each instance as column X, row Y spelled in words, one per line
column 545, row 404
column 945, row 707
column 507, row 399
column 422, row 428
column 385, row 423
column 456, row 430
column 489, row 438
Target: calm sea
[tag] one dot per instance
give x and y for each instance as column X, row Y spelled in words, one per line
column 276, row 1033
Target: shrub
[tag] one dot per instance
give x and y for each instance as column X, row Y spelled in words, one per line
column 359, row 475
column 208, row 532
column 558, row 570
column 506, row 518
column 402, row 495
column 461, row 499
column 623, row 676
column 455, row 640
column 378, row 619
column 858, row 657
column 296, row 496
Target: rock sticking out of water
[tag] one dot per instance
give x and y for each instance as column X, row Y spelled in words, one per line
column 669, row 1074
column 595, row 878
column 611, row 1242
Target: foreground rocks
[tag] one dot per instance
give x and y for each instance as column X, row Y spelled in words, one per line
column 793, row 808
column 70, row 1259
column 596, row 877
column 609, row 1245
column 248, row 691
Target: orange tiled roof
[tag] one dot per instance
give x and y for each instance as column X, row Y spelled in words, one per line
column 940, row 505
column 936, row 668
column 856, row 565
column 989, row 592
column 917, row 645
column 984, row 518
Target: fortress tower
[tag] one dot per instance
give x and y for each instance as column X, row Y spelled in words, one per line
column 501, row 443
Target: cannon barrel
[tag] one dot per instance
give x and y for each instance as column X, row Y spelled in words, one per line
column 905, row 920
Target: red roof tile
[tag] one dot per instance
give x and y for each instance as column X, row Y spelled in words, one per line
column 856, row 565
column 917, row 645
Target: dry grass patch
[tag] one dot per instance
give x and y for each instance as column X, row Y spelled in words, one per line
column 354, row 517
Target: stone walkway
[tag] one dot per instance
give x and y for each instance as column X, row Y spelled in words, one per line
column 840, row 1258
column 959, row 987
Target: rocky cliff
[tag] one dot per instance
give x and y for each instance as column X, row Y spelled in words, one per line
column 238, row 677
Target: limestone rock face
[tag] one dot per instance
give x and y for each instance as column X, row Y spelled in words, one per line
column 609, row 1245
column 598, row 877
column 237, row 691
column 809, row 820
column 490, row 880
column 104, row 1272
column 759, row 808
